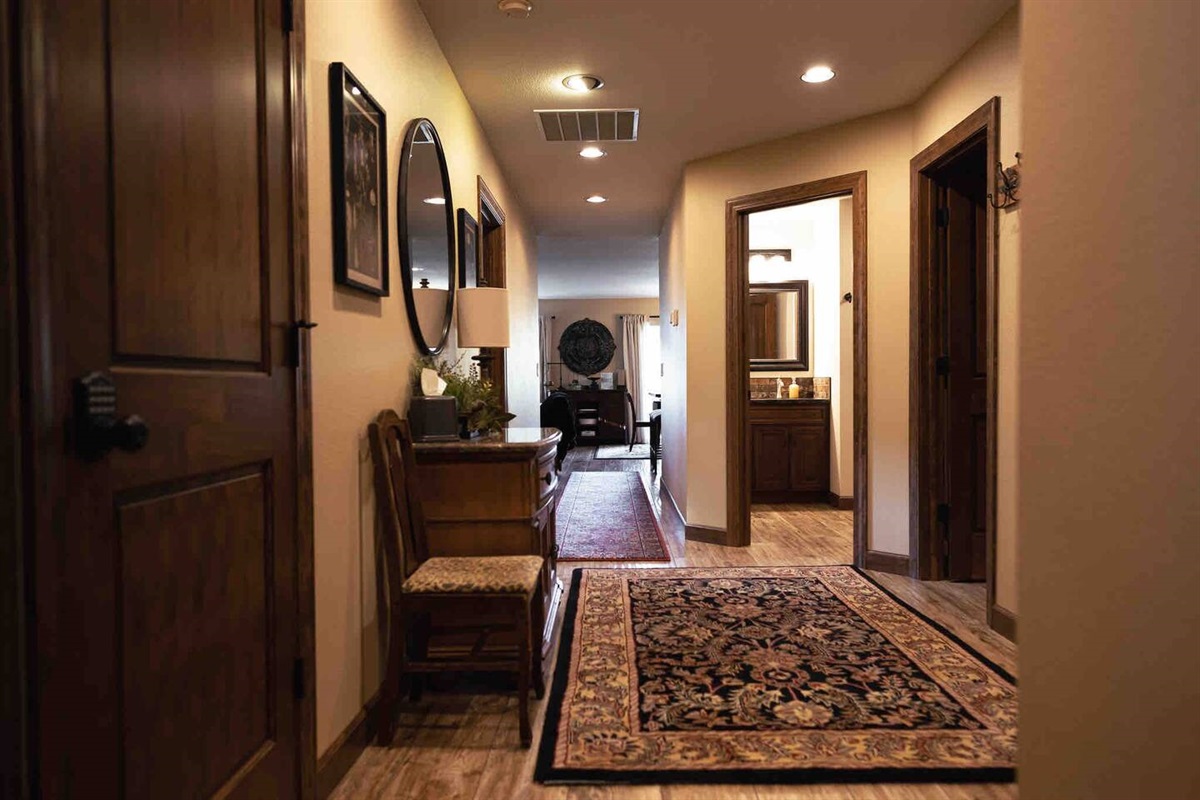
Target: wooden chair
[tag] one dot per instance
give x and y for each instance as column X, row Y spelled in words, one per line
column 502, row 588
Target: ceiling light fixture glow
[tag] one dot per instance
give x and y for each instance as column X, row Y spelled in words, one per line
column 597, row 199
column 818, row 75
column 435, row 201
column 592, row 152
column 517, row 9
column 583, row 83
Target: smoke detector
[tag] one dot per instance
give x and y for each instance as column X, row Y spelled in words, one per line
column 517, row 9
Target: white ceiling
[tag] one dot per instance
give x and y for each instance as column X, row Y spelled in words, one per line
column 708, row 76
column 570, row 267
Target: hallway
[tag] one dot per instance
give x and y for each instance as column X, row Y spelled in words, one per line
column 464, row 744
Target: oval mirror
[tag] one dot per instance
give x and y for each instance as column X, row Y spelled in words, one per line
column 425, row 220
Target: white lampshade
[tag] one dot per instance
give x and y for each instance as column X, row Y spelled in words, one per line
column 483, row 317
column 431, row 311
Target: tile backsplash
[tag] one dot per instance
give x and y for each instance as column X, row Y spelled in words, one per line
column 764, row 388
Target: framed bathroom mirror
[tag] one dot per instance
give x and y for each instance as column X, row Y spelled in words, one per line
column 425, row 221
column 777, row 329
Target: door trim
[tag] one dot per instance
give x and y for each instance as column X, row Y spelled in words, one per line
column 737, row 375
column 14, row 697
column 923, row 545
column 306, row 704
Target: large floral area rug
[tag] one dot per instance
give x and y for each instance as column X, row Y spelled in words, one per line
column 606, row 516
column 767, row 675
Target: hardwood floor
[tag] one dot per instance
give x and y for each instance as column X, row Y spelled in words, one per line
column 461, row 739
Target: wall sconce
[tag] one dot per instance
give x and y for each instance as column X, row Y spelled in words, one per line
column 1007, row 182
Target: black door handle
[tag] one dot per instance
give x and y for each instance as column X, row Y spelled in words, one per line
column 97, row 427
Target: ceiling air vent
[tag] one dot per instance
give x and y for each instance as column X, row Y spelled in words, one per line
column 589, row 124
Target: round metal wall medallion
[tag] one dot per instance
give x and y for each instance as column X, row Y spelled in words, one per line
column 586, row 346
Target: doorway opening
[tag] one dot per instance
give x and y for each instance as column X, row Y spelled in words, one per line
column 493, row 271
column 953, row 366
column 771, row 458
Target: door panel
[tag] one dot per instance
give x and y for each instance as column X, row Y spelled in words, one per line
column 187, row 153
column 966, row 386
column 810, row 464
column 167, row 585
column 769, row 458
column 195, row 626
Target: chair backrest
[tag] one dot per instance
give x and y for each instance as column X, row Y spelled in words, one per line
column 397, row 499
column 557, row 412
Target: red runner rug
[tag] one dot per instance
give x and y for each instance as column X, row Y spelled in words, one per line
column 606, row 516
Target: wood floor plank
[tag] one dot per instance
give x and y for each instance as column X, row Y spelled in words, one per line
column 455, row 744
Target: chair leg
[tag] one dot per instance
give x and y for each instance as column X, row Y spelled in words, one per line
column 389, row 692
column 523, row 660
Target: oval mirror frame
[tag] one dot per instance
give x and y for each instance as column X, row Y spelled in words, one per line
column 406, row 254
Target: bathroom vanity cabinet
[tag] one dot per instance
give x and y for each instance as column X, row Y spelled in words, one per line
column 789, row 451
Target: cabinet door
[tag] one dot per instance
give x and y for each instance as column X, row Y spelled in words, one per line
column 769, row 463
column 809, row 459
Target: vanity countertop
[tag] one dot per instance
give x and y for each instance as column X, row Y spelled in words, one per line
column 784, row 401
column 507, row 439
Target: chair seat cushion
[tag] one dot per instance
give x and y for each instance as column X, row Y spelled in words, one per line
column 475, row 574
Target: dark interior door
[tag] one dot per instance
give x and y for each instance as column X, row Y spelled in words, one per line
column 166, row 578
column 962, row 233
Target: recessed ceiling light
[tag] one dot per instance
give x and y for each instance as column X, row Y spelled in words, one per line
column 583, row 83
column 435, row 201
column 597, row 199
column 592, row 152
column 517, row 9
column 817, row 75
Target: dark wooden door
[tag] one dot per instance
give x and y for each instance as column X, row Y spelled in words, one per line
column 964, row 244
column 764, row 325
column 808, row 448
column 771, row 462
column 166, row 578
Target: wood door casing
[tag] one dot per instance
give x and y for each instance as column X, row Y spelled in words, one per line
column 167, row 588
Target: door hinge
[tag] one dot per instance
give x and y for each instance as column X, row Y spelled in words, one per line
column 289, row 16
column 942, row 217
column 298, row 678
column 941, row 365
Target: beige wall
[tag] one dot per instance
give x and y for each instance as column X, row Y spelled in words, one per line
column 362, row 349
column 672, row 293
column 1108, row 485
column 604, row 310
column 883, row 145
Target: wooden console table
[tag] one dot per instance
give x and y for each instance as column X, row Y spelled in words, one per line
column 495, row 495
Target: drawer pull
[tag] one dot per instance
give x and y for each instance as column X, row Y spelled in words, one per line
column 549, row 478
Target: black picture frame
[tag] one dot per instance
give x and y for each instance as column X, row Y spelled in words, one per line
column 468, row 250
column 358, row 163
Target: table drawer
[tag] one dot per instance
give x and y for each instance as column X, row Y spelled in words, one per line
column 546, row 477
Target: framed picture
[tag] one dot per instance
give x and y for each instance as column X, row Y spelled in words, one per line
column 468, row 250
column 358, row 139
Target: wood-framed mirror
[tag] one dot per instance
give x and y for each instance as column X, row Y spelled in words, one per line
column 777, row 326
column 425, row 221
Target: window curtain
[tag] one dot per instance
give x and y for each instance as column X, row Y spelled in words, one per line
column 631, row 351
column 545, row 348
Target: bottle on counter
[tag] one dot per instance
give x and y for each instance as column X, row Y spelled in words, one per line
column 794, row 390
column 779, row 388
